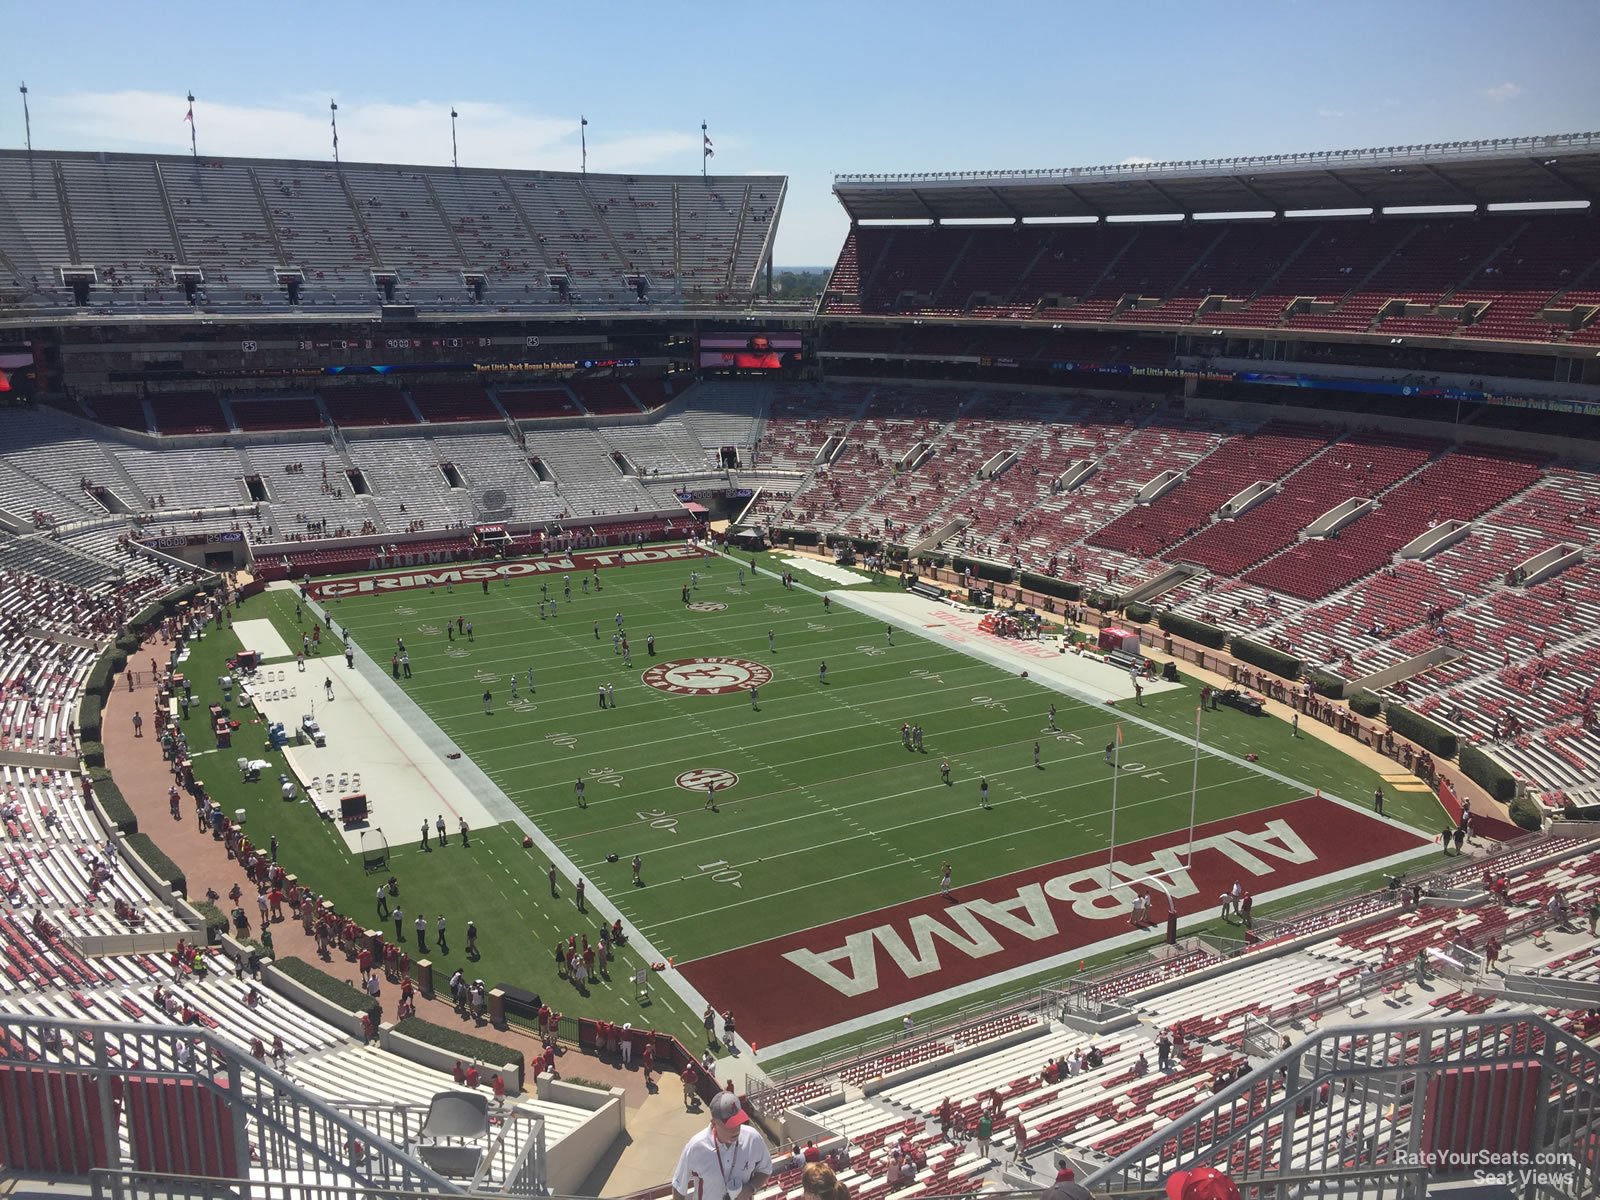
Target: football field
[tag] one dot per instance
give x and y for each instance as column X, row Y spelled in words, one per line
column 808, row 897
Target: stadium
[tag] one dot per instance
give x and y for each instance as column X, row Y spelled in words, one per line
column 863, row 706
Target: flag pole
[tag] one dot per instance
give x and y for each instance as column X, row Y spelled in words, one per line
column 1194, row 790
column 454, row 160
column 333, row 117
column 583, row 141
column 1116, row 769
column 194, row 147
column 27, row 129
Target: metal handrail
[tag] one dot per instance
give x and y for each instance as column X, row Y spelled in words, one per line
column 1211, row 1131
column 274, row 1115
column 106, row 1184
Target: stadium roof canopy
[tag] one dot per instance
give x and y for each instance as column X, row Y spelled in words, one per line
column 1555, row 168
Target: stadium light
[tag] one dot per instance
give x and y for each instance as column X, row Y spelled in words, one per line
column 27, row 129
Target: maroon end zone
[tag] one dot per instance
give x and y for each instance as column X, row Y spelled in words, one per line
column 863, row 965
column 443, row 574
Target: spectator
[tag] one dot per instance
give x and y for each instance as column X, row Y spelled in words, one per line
column 729, row 1152
column 819, row 1180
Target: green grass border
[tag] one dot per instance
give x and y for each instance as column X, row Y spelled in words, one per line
column 155, row 858
column 453, row 1041
column 341, row 995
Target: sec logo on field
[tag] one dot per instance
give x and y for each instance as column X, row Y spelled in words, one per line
column 698, row 779
column 707, row 676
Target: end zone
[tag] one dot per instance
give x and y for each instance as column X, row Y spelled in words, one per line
column 450, row 574
column 805, row 987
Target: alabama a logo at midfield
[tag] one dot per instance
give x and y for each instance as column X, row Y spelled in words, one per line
column 707, row 676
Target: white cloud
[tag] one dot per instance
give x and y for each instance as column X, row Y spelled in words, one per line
column 1137, row 160
column 369, row 131
column 1501, row 92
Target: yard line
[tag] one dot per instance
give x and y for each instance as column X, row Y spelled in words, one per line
column 833, row 879
column 748, row 750
column 843, row 809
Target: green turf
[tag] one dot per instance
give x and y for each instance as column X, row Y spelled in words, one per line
column 831, row 816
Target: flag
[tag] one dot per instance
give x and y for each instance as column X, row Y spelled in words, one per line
column 189, row 116
column 708, row 151
column 1119, row 735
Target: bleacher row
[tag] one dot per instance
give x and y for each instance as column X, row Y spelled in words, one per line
column 442, row 401
column 136, row 217
column 312, row 492
column 1091, row 1115
column 1501, row 276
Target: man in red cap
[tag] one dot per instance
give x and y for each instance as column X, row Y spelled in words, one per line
column 727, row 1161
column 1201, row 1183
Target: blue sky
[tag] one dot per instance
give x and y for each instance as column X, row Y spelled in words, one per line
column 805, row 89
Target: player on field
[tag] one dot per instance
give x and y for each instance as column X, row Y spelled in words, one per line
column 1036, row 762
column 944, row 881
column 578, row 791
column 514, row 687
column 488, row 700
column 1052, row 726
column 983, row 793
column 772, row 645
column 944, row 772
column 822, row 672
column 711, row 797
